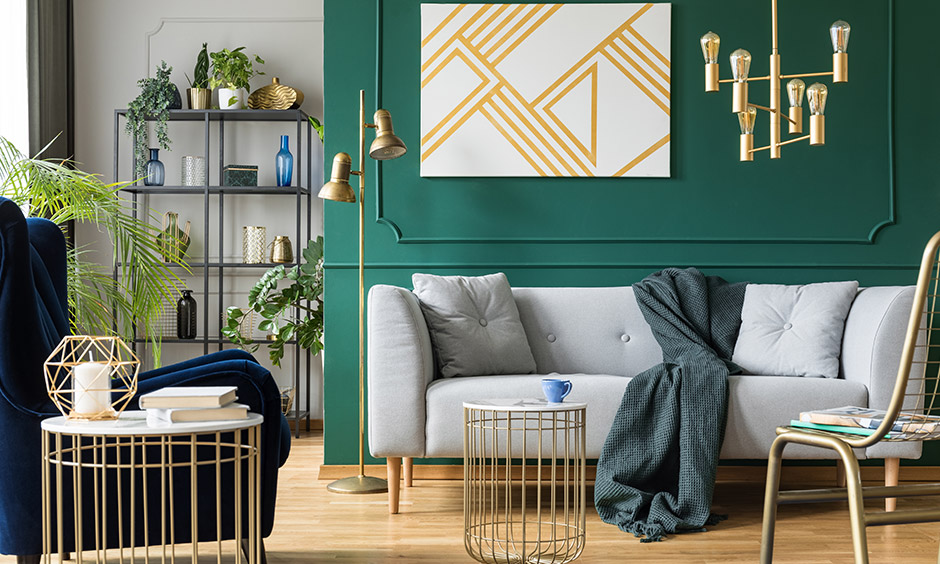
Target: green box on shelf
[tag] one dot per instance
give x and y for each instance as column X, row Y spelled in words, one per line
column 240, row 175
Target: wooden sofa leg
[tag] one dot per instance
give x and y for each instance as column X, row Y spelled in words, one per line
column 892, row 470
column 408, row 463
column 394, row 483
column 840, row 474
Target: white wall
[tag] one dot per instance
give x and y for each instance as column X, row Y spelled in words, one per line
column 14, row 99
column 118, row 42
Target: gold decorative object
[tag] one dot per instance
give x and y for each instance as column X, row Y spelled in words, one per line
column 815, row 94
column 199, row 98
column 253, row 244
column 173, row 241
column 275, row 96
column 90, row 377
column 385, row 146
column 281, row 250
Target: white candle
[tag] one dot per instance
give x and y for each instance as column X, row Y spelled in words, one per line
column 91, row 388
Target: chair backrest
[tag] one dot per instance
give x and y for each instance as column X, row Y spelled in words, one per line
column 33, row 304
column 914, row 411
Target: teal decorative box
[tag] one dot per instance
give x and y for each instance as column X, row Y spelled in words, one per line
column 240, row 175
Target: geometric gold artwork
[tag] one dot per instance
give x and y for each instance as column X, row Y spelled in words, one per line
column 545, row 89
column 91, row 377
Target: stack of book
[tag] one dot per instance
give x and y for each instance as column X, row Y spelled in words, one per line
column 192, row 403
column 864, row 421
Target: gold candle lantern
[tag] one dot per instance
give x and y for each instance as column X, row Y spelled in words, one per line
column 253, row 244
column 281, row 250
column 91, row 378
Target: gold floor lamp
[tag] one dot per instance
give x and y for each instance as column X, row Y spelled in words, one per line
column 385, row 146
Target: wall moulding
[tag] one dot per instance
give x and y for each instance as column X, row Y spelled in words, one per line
column 406, row 235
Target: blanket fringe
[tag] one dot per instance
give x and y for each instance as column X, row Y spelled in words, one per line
column 652, row 533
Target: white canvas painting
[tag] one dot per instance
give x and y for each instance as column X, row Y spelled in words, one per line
column 545, row 89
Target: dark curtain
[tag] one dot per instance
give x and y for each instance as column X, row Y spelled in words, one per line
column 51, row 80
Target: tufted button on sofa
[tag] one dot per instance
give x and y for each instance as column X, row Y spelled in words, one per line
column 598, row 338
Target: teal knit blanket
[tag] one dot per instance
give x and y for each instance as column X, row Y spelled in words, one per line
column 656, row 472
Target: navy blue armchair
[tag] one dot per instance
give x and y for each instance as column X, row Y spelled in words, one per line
column 33, row 319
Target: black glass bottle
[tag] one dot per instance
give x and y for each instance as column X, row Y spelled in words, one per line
column 186, row 316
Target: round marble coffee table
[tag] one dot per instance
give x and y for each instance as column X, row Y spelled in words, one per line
column 524, row 480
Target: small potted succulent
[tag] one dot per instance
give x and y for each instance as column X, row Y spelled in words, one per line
column 231, row 73
column 199, row 93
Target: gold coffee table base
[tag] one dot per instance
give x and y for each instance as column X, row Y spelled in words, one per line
column 524, row 481
column 116, row 468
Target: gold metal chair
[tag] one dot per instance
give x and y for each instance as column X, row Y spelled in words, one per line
column 916, row 392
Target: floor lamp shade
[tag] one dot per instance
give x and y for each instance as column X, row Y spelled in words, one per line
column 338, row 188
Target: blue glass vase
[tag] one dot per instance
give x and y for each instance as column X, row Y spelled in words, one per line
column 284, row 163
column 155, row 171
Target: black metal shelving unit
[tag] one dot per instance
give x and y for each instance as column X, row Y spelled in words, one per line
column 300, row 190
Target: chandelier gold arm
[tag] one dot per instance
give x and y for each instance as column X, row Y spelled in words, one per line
column 787, row 142
column 782, row 76
column 766, row 109
column 748, row 79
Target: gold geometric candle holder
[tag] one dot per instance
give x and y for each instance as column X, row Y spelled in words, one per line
column 91, row 378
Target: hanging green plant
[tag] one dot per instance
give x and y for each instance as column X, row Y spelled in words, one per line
column 157, row 97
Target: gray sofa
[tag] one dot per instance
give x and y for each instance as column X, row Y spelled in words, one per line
column 598, row 338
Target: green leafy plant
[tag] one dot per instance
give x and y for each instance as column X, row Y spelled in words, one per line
column 56, row 190
column 201, row 72
column 232, row 69
column 319, row 127
column 278, row 307
column 154, row 101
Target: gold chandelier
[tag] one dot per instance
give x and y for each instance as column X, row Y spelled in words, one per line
column 816, row 94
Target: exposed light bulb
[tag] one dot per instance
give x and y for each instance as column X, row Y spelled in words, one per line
column 816, row 97
column 839, row 33
column 747, row 120
column 740, row 64
column 710, row 42
column 795, row 89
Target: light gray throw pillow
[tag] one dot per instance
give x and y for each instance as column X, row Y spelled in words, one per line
column 474, row 325
column 793, row 330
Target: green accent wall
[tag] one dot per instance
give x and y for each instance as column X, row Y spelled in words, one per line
column 861, row 207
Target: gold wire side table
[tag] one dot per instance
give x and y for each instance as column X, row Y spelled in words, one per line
column 524, row 480
column 88, row 467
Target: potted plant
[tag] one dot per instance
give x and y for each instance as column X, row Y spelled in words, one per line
column 199, row 93
column 231, row 73
column 278, row 307
column 157, row 97
column 57, row 190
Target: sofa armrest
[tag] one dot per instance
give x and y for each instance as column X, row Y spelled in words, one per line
column 871, row 352
column 400, row 368
column 874, row 336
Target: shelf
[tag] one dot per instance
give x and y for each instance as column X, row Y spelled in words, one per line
column 232, row 115
column 200, row 190
column 211, row 341
column 199, row 266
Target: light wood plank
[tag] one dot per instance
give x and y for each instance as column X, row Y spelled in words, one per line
column 316, row 526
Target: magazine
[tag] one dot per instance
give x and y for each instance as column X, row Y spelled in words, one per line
column 866, row 418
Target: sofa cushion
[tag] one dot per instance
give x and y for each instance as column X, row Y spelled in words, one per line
column 474, row 325
column 793, row 330
column 757, row 405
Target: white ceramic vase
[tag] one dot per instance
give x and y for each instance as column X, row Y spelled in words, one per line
column 231, row 99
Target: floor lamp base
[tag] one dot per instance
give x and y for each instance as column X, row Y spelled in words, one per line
column 358, row 485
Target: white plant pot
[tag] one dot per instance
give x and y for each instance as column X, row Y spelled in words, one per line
column 227, row 94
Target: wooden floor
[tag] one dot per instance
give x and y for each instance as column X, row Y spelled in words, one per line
column 316, row 526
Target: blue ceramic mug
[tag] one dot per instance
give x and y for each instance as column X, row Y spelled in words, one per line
column 556, row 389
